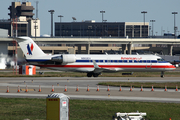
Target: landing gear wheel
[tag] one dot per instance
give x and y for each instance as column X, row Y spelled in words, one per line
column 95, row 75
column 162, row 74
column 89, row 74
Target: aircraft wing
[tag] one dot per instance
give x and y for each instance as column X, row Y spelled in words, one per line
column 98, row 69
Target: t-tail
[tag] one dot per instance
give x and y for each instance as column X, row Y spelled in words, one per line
column 29, row 48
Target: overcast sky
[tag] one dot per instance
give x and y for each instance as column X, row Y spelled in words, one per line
column 115, row 11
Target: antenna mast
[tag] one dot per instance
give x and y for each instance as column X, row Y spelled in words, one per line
column 37, row 9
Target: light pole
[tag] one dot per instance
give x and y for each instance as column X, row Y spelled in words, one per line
column 51, row 11
column 156, row 33
column 175, row 24
column 144, row 12
column 102, row 14
column 152, row 25
column 163, row 32
column 35, row 27
column 60, row 23
column 105, row 27
column 150, row 30
column 102, row 11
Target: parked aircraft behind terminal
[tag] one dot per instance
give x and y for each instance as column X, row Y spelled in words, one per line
column 93, row 65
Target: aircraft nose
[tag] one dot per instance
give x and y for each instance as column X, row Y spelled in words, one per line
column 173, row 67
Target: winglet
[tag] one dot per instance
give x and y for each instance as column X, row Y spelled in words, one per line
column 97, row 69
column 95, row 64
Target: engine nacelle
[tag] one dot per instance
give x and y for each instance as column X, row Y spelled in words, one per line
column 67, row 58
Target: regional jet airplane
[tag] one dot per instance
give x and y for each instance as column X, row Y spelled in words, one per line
column 93, row 65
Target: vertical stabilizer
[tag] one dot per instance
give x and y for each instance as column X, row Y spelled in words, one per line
column 29, row 47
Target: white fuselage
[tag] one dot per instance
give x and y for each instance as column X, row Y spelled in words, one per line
column 93, row 65
column 112, row 63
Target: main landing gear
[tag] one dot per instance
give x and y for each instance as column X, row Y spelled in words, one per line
column 162, row 74
column 90, row 74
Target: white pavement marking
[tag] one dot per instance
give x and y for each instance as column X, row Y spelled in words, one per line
column 151, row 99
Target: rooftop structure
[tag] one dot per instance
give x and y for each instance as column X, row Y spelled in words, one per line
column 22, row 15
column 17, row 9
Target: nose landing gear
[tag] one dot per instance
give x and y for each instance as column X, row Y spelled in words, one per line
column 162, row 74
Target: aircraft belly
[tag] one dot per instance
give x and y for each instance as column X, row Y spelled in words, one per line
column 140, row 69
column 131, row 67
column 72, row 69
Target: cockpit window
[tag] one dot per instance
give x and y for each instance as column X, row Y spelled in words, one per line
column 160, row 59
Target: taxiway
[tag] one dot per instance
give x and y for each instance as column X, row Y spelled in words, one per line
column 59, row 83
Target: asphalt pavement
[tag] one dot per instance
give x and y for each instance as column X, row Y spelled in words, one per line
column 59, row 84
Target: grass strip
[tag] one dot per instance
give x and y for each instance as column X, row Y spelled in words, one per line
column 170, row 85
column 33, row 109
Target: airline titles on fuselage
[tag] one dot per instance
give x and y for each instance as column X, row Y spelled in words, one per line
column 131, row 58
column 122, row 58
column 85, row 58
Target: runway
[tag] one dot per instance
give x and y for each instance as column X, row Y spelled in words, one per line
column 59, row 83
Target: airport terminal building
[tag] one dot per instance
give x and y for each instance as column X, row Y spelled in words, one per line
column 91, row 28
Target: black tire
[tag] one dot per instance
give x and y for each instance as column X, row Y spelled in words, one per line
column 95, row 75
column 89, row 74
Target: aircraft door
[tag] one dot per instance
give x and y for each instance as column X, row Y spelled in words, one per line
column 148, row 64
